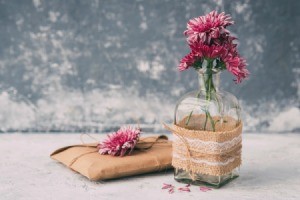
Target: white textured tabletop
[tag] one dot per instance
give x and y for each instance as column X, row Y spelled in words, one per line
column 270, row 170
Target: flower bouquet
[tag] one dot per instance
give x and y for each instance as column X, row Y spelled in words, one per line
column 207, row 124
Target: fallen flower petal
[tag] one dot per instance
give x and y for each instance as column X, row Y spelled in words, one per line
column 170, row 187
column 188, row 185
column 184, row 189
column 205, row 189
column 166, row 187
column 171, row 190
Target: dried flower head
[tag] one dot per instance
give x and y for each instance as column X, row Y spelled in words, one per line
column 120, row 143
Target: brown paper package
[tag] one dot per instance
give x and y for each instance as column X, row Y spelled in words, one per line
column 150, row 155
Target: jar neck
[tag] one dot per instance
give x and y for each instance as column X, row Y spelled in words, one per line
column 209, row 81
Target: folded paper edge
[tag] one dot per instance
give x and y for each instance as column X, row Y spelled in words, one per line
column 147, row 170
column 67, row 147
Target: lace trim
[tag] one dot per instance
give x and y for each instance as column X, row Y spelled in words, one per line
column 202, row 161
column 208, row 146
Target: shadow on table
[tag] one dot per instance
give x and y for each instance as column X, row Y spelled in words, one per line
column 256, row 177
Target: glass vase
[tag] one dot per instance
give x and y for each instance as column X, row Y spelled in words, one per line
column 207, row 109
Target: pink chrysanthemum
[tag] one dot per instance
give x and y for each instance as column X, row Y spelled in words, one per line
column 237, row 66
column 205, row 51
column 199, row 52
column 209, row 40
column 243, row 71
column 121, row 142
column 210, row 26
column 186, row 62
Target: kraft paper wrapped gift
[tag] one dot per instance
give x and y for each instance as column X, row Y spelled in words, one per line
column 151, row 154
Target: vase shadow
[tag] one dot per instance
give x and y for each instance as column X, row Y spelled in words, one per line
column 257, row 177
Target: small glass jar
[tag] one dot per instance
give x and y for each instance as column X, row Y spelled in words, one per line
column 207, row 109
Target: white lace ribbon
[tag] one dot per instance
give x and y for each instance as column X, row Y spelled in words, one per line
column 202, row 161
column 208, row 146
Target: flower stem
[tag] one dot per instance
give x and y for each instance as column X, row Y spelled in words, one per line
column 211, row 121
column 205, row 120
column 190, row 115
column 189, row 118
column 209, row 87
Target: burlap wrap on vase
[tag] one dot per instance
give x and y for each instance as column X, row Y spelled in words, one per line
column 151, row 154
column 207, row 152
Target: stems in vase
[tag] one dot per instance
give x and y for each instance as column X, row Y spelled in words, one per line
column 209, row 88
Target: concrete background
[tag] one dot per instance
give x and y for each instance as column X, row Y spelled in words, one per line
column 93, row 65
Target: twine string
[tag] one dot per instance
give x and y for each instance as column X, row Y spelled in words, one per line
column 191, row 170
column 84, row 145
column 76, row 158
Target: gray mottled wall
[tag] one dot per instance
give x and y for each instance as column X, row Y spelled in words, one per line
column 92, row 65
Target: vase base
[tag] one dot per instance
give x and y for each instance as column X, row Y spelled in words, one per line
column 202, row 179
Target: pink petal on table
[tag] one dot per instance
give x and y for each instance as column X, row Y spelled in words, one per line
column 166, row 186
column 184, row 189
column 204, row 189
column 188, row 185
column 171, row 190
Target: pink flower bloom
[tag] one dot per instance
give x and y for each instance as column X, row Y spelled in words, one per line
column 205, row 51
column 199, row 52
column 186, row 62
column 227, row 43
column 121, row 142
column 210, row 26
column 243, row 72
column 232, row 63
column 208, row 38
column 237, row 66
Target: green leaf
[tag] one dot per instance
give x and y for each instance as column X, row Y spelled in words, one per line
column 197, row 64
